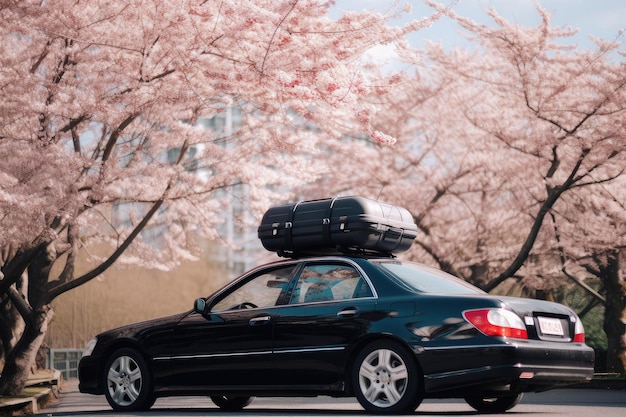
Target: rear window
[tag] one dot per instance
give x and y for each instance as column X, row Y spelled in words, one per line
column 424, row 279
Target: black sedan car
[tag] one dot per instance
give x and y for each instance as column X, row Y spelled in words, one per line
column 387, row 332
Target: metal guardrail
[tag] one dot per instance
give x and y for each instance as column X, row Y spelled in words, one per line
column 65, row 361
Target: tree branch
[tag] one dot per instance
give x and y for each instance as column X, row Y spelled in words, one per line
column 108, row 149
column 554, row 193
column 20, row 304
column 57, row 290
column 62, row 285
column 13, row 269
column 597, row 296
column 269, row 46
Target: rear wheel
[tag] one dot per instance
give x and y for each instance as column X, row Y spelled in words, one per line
column 493, row 404
column 127, row 381
column 230, row 403
column 386, row 379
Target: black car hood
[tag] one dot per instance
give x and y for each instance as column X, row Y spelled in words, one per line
column 136, row 330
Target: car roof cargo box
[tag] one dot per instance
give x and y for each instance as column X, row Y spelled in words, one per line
column 341, row 225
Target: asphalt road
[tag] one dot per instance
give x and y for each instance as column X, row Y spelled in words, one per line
column 574, row 402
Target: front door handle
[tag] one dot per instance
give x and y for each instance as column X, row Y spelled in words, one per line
column 259, row 321
column 349, row 312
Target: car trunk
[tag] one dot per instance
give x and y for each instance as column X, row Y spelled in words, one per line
column 545, row 320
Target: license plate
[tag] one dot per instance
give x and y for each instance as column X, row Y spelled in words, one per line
column 550, row 326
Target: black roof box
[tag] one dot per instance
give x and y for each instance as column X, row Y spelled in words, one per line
column 341, row 225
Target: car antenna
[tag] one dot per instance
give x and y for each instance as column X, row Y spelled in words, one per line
column 380, row 192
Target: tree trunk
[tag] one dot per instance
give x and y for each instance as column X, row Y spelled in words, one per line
column 20, row 360
column 10, row 320
column 615, row 314
column 26, row 299
column 11, row 327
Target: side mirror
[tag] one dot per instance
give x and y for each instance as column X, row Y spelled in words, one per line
column 199, row 305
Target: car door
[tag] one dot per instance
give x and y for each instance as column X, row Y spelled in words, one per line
column 231, row 343
column 329, row 307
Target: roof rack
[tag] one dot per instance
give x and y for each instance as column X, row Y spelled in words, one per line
column 355, row 252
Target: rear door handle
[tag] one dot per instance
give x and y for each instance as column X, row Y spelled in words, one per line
column 259, row 321
column 348, row 312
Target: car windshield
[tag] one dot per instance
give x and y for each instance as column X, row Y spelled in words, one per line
column 428, row 280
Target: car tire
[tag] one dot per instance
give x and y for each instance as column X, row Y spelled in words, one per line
column 231, row 403
column 386, row 379
column 492, row 405
column 127, row 381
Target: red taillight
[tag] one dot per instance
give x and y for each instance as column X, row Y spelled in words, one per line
column 497, row 322
column 579, row 332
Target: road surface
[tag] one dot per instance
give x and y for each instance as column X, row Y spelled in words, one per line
column 573, row 402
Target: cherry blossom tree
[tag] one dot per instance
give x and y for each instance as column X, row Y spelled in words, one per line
column 101, row 136
column 511, row 156
column 558, row 112
column 530, row 118
column 589, row 234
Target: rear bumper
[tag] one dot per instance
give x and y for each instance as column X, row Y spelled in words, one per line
column 519, row 365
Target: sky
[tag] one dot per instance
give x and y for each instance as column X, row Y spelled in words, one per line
column 601, row 18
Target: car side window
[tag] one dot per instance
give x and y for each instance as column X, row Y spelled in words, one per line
column 262, row 291
column 328, row 282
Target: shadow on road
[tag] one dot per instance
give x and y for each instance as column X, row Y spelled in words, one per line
column 73, row 403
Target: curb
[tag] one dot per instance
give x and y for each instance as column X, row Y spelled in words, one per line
column 608, row 381
column 33, row 404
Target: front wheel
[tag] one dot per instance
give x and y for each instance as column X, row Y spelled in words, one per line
column 230, row 403
column 386, row 379
column 493, row 405
column 127, row 381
